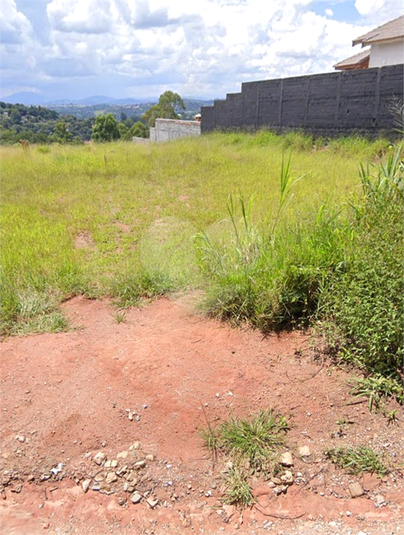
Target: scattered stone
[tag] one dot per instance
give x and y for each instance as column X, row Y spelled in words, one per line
column 96, row 487
column 121, row 471
column 46, row 525
column 57, row 469
column 355, row 490
column 111, row 478
column 152, row 502
column 286, row 459
column 277, row 481
column 281, row 489
column 130, row 416
column 86, row 484
column 122, row 455
column 114, row 463
column 149, row 457
column 20, row 438
column 136, row 497
column 31, row 478
column 99, row 477
column 287, row 477
column 136, row 445
column 107, row 464
column 99, row 458
column 304, row 451
column 139, row 465
column 380, row 501
column 348, row 513
column 17, row 489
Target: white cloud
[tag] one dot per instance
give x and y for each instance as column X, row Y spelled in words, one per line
column 15, row 27
column 364, row 7
column 80, row 16
column 204, row 47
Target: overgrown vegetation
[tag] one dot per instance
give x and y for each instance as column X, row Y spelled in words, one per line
column 358, row 460
column 250, row 446
column 301, row 241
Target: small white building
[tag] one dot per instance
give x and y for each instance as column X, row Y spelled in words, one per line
column 386, row 47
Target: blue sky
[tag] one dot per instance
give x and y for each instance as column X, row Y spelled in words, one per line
column 72, row 49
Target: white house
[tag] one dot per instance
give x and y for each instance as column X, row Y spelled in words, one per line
column 385, row 47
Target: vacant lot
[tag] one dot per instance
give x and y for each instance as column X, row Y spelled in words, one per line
column 153, row 418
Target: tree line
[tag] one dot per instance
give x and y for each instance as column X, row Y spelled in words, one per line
column 37, row 124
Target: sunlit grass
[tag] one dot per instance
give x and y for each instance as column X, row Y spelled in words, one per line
column 85, row 219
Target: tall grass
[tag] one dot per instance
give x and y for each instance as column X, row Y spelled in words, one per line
column 340, row 267
column 298, row 241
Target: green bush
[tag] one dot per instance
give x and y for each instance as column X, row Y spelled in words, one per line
column 365, row 301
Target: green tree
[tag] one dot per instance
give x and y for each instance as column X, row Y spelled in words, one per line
column 106, row 128
column 62, row 133
column 139, row 129
column 168, row 105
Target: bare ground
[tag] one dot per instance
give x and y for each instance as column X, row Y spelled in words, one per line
column 140, row 391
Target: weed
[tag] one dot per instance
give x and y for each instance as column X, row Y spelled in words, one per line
column 357, row 460
column 120, row 316
column 255, row 440
column 377, row 387
column 391, row 417
column 128, row 290
column 238, row 491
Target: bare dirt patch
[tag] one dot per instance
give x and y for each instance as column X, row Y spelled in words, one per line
column 139, row 391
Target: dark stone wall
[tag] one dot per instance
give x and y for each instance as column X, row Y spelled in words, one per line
column 330, row 104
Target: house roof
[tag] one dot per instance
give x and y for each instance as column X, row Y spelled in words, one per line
column 354, row 61
column 391, row 30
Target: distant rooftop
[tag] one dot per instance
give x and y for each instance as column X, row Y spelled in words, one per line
column 386, row 32
column 358, row 61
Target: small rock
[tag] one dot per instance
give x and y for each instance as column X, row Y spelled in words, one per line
column 229, row 509
column 107, row 464
column 20, row 438
column 152, row 502
column 99, row 477
column 122, row 455
column 130, row 416
column 46, row 525
column 287, row 477
column 31, row 478
column 114, row 463
column 286, row 459
column 86, row 485
column 136, row 497
column 99, row 457
column 355, row 490
column 380, row 500
column 348, row 513
column 111, row 478
column 277, row 481
column 139, row 465
column 136, row 445
column 304, row 451
column 149, row 457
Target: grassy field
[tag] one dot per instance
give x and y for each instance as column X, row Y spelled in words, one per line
column 131, row 220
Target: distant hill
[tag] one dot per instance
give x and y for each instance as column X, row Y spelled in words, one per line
column 121, row 108
column 28, row 98
column 99, row 102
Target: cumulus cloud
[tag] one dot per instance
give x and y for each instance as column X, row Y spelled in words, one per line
column 15, row 27
column 80, row 16
column 204, row 48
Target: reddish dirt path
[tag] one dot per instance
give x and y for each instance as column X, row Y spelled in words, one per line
column 68, row 396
